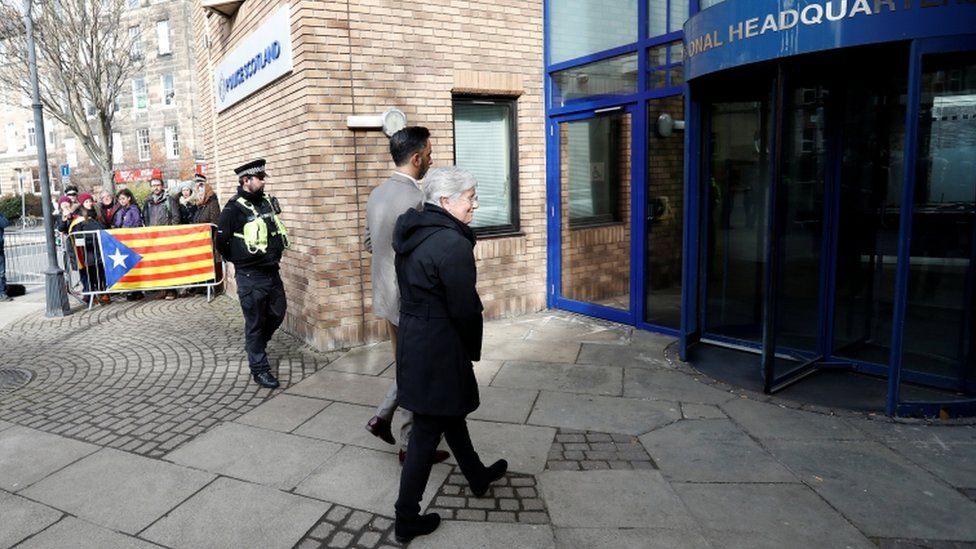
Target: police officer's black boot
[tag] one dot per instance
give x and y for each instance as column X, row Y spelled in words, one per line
column 267, row 380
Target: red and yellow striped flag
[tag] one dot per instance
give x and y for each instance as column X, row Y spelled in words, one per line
column 157, row 257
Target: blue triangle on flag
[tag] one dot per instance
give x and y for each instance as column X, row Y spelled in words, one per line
column 117, row 258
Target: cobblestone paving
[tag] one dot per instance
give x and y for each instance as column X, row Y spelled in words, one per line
column 587, row 450
column 512, row 498
column 346, row 527
column 144, row 377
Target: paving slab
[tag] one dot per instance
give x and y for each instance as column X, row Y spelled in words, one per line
column 651, row 340
column 505, row 404
column 79, row 534
column 283, row 413
column 533, row 351
column 5, row 425
column 231, row 513
column 628, row 356
column 630, row 538
column 485, row 370
column 346, row 424
column 882, row 493
column 579, row 329
column 22, row 518
column 567, row 378
column 258, row 455
column 770, row 421
column 28, row 455
column 600, row 413
column 711, row 450
column 767, row 515
column 661, row 384
column 486, row 536
column 526, row 447
column 948, row 452
column 701, row 411
column 121, row 491
column 612, row 499
column 365, row 479
column 369, row 360
column 343, row 387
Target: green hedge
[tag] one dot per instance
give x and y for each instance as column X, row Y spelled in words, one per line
column 10, row 205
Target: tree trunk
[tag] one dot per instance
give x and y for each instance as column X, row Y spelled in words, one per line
column 108, row 176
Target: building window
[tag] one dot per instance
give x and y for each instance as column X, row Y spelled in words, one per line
column 596, row 160
column 135, row 42
column 583, row 27
column 140, row 96
column 117, row 156
column 162, row 36
column 11, row 137
column 142, row 141
column 664, row 16
column 133, row 4
column 31, row 137
column 664, row 65
column 89, row 108
column 172, row 142
column 485, row 144
column 169, row 90
column 71, row 151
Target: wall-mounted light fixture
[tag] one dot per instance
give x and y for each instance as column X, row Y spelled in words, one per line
column 666, row 125
column 391, row 121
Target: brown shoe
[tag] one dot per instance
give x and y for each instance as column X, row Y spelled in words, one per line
column 439, row 456
column 104, row 299
column 380, row 428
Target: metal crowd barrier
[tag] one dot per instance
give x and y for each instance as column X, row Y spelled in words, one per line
column 89, row 281
column 26, row 256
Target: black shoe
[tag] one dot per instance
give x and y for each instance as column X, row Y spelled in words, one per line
column 405, row 529
column 439, row 456
column 494, row 472
column 380, row 428
column 266, row 379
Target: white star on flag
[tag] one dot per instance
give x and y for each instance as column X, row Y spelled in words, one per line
column 118, row 258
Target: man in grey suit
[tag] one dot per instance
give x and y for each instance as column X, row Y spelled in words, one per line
column 411, row 152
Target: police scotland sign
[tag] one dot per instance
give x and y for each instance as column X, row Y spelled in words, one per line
column 260, row 59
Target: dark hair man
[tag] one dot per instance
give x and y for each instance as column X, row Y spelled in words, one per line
column 411, row 152
column 252, row 237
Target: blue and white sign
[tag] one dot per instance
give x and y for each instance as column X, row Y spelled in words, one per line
column 260, row 59
column 739, row 32
column 65, row 170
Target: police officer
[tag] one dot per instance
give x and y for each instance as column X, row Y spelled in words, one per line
column 252, row 237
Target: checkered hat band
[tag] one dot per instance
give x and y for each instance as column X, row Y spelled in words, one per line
column 253, row 171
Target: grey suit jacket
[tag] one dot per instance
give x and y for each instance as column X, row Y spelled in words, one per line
column 386, row 203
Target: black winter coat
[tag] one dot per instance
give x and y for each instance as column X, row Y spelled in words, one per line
column 232, row 220
column 440, row 313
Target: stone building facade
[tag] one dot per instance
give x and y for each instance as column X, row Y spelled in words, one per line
column 360, row 57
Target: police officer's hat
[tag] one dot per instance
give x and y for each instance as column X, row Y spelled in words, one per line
column 253, row 167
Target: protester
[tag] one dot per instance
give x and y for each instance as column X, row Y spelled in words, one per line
column 106, row 208
column 90, row 267
column 252, row 237
column 411, row 152
column 440, row 335
column 187, row 202
column 126, row 213
column 68, row 211
column 4, row 223
column 208, row 207
column 159, row 208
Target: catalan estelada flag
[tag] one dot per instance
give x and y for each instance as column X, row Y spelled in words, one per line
column 157, row 257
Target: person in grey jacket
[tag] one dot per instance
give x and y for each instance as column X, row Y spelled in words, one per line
column 411, row 152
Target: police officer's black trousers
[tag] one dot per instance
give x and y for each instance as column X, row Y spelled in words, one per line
column 262, row 297
column 424, row 438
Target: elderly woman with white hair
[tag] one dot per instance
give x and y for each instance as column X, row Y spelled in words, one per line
column 440, row 335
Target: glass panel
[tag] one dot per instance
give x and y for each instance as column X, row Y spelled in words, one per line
column 870, row 202
column 657, row 17
column 583, row 27
column 595, row 175
column 481, row 146
column 939, row 320
column 735, row 217
column 665, row 213
column 799, row 218
column 678, row 15
column 664, row 66
column 709, row 3
column 614, row 76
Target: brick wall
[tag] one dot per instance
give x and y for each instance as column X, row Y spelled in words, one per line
column 361, row 57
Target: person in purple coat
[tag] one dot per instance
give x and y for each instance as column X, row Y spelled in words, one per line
column 127, row 214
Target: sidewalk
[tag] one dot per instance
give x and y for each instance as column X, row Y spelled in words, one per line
column 165, row 442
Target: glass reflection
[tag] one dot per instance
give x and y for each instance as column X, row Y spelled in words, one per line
column 584, row 27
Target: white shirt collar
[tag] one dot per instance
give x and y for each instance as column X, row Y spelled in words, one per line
column 415, row 182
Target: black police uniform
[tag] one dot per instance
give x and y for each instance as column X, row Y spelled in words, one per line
column 259, row 286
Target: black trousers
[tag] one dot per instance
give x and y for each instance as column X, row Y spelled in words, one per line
column 262, row 297
column 426, row 434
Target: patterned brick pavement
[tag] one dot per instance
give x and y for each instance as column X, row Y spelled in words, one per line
column 587, row 450
column 512, row 498
column 144, row 377
column 346, row 527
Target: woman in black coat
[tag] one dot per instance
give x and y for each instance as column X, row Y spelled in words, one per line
column 440, row 334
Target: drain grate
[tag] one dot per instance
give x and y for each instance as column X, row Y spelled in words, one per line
column 12, row 379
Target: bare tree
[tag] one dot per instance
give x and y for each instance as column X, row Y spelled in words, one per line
column 85, row 56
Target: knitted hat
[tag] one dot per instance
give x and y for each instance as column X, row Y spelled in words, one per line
column 64, row 200
column 85, row 196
